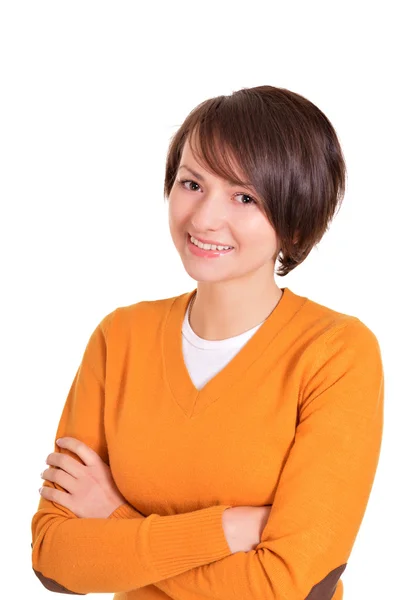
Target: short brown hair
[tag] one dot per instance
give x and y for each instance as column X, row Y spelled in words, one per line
column 289, row 152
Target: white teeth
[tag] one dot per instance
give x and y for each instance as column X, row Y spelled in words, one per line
column 208, row 246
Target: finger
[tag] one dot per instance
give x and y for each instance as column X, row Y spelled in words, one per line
column 67, row 463
column 63, row 479
column 87, row 454
column 54, row 495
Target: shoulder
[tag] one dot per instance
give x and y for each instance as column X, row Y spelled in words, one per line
column 329, row 326
column 137, row 315
column 336, row 347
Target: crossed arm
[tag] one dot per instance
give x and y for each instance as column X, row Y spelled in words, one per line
column 316, row 514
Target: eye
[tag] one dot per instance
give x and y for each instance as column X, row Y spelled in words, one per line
column 182, row 183
column 251, row 200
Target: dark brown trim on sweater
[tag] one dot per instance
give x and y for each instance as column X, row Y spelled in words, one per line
column 325, row 589
column 53, row 586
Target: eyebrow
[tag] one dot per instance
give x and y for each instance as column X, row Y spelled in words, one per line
column 201, row 178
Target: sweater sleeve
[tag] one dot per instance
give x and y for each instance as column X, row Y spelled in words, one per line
column 80, row 556
column 324, row 486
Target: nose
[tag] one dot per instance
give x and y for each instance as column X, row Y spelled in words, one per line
column 209, row 214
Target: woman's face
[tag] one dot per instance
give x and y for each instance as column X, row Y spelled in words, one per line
column 210, row 208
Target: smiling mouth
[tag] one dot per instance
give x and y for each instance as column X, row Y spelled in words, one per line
column 202, row 252
column 229, row 246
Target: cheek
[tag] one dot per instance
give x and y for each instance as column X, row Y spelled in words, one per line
column 178, row 215
column 178, row 225
column 259, row 238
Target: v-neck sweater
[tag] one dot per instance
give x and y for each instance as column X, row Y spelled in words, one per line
column 294, row 420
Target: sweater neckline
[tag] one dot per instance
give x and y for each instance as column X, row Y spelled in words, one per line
column 193, row 401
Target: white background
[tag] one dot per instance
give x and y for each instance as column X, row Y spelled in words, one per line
column 91, row 93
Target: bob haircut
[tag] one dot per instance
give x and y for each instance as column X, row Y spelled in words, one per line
column 286, row 148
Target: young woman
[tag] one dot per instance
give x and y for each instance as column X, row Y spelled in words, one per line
column 222, row 443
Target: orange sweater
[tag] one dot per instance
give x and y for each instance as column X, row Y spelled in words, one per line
column 295, row 420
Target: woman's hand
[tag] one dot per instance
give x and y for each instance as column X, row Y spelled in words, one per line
column 243, row 526
column 90, row 489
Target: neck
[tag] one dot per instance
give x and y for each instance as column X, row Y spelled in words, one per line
column 217, row 314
